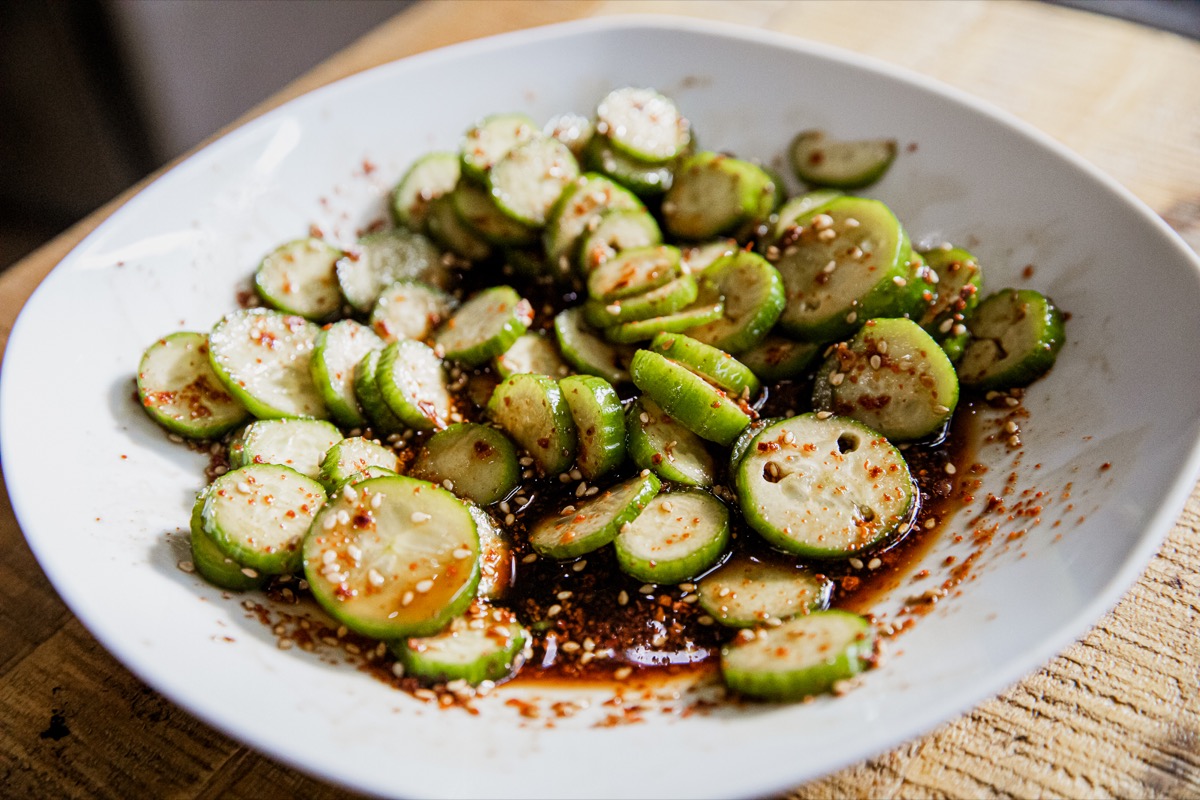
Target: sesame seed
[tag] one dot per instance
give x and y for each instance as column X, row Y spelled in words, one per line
column 461, row 553
column 554, row 610
column 285, row 644
column 960, row 329
column 529, row 558
column 899, row 281
column 830, row 267
column 350, row 493
column 691, row 598
column 1010, row 426
column 343, row 517
column 644, row 473
column 398, row 669
column 876, row 362
column 570, row 647
column 375, row 578
column 448, row 485
column 407, row 598
column 564, row 595
column 576, row 475
column 579, row 566
column 581, row 489
column 623, row 598
column 950, row 469
column 931, row 523
column 836, row 378
column 186, row 566
column 687, row 587
column 377, row 501
column 525, row 461
column 881, row 346
column 243, row 487
column 856, row 563
column 647, row 588
column 623, row 673
column 659, row 641
column 505, row 508
column 249, row 573
column 592, row 491
column 852, row 317
column 354, row 552
column 705, row 619
column 419, row 517
column 822, row 221
column 874, row 563
column 827, row 235
column 1012, row 402
column 824, row 414
column 851, row 222
column 424, row 586
column 509, row 519
column 644, row 417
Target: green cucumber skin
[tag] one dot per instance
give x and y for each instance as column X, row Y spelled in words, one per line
column 211, row 562
column 599, row 424
column 647, row 453
column 379, row 416
column 204, row 389
column 478, row 460
column 344, row 409
column 499, row 300
column 705, row 410
column 644, row 489
column 712, row 363
column 676, row 571
column 550, row 439
column 1036, row 363
column 409, row 203
column 817, row 174
column 755, row 197
column 744, row 325
column 495, row 666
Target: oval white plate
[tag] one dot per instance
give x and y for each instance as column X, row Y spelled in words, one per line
column 96, row 486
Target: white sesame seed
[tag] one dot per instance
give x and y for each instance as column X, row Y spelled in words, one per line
column 592, row 491
column 343, row 517
column 186, row 566
column 852, row 317
column 960, row 329
column 448, row 485
column 461, row 553
column 827, row 235
column 350, row 493
column 554, row 610
column 824, row 414
column 851, row 222
column 644, row 417
column 529, row 558
column 931, row 523
column 822, row 221
column 570, row 647
column 354, row 552
column 505, row 508
column 856, row 563
column 398, row 669
column 623, row 673
column 249, row 573
column 579, row 566
column 375, row 578
column 243, row 487
column 830, row 267
column 836, row 378
column 899, row 280
column 659, row 641
column 647, row 588
column 376, row 501
column 564, row 595
column 419, row 517
column 876, row 362
column 623, row 598
column 1010, row 426
column 950, row 469
column 509, row 519
column 705, row 619
column 946, row 325
column 576, row 475
column 874, row 563
column 581, row 489
column 424, row 586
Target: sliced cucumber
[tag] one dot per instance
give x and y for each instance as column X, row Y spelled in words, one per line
column 892, row 377
column 660, row 302
column 824, row 487
column 819, row 161
column 529, row 179
column 258, row 516
column 699, row 257
column 448, row 230
column 477, row 209
column 577, row 212
column 179, row 390
column 485, row 646
column 479, row 462
column 599, row 424
column 803, row 657
column 694, row 402
column 587, row 352
column 716, row 194
column 798, row 206
column 707, row 307
column 754, row 300
column 299, row 278
column 616, row 230
column 594, row 522
column 297, row 443
column 958, row 292
column 644, row 178
column 366, row 388
column 212, row 564
column 336, row 353
column 678, row 536
column 633, row 272
column 842, row 264
column 262, row 358
column 412, row 381
column 532, row 352
column 660, row 444
column 495, row 556
column 1015, row 338
column 410, row 310
column 431, row 176
column 380, row 259
column 643, row 124
column 531, row 408
column 741, row 445
column 777, row 358
column 573, row 130
column 485, row 326
column 487, row 141
column 711, row 363
column 745, row 593
column 393, row 557
column 353, row 457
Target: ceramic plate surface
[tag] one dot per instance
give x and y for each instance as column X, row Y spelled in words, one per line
column 103, row 497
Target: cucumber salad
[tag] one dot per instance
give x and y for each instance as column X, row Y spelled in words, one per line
column 596, row 399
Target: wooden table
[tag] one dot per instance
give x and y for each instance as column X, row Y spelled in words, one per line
column 1116, row 714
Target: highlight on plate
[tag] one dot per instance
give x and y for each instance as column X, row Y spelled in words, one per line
column 596, row 400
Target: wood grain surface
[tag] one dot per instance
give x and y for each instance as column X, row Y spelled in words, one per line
column 1115, row 715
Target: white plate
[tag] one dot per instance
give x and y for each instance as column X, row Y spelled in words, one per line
column 96, row 486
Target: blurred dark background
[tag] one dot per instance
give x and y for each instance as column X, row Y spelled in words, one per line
column 95, row 94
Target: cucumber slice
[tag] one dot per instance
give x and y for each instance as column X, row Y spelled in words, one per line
column 448, row 230
column 356, row 478
column 680, row 535
column 593, row 523
column 633, row 272
column 803, row 657
column 660, row 444
column 336, row 353
column 796, row 207
column 495, row 556
column 587, row 352
column 824, row 488
column 410, row 310
column 706, row 308
column 715, row 194
column 892, row 377
column 644, row 178
column 353, row 457
column 695, row 403
column 754, row 300
column 380, row 259
column 842, row 264
column 643, row 124
column 618, row 229
column 366, row 388
column 487, row 141
column 212, row 564
column 299, row 278
column 412, row 381
column 573, row 130
column 485, row 646
column 431, row 176
column 713, row 364
column 958, row 291
column 180, row 391
column 577, row 212
column 741, row 445
column 1015, row 338
column 393, row 557
column 777, row 358
column 531, row 408
column 297, row 443
column 699, row 257
column 259, row 514
column 485, row 326
column 532, row 352
column 479, row 461
column 599, row 424
column 745, row 593
column 529, row 179
column 819, row 161
column 262, row 358
column 477, row 209
column 660, row 302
